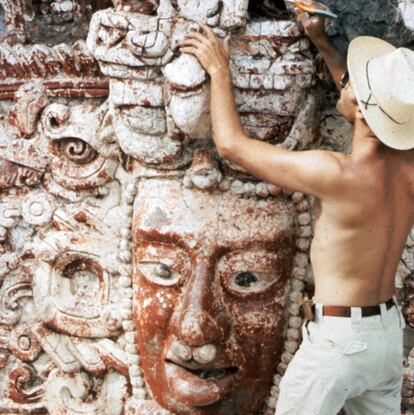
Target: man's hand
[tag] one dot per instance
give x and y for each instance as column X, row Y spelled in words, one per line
column 313, row 25
column 212, row 54
column 315, row 28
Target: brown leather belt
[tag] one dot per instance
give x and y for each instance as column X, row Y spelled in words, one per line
column 342, row 311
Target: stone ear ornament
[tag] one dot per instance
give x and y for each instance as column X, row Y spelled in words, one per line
column 31, row 99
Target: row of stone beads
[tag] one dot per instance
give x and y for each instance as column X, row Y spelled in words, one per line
column 126, row 288
column 296, row 290
column 249, row 188
column 236, row 186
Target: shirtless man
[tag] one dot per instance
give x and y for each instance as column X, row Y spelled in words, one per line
column 351, row 354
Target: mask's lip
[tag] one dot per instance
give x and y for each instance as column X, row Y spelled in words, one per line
column 197, row 388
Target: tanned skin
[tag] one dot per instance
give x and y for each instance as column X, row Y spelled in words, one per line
column 364, row 200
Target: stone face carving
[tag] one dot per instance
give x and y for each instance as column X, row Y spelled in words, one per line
column 139, row 272
column 205, row 291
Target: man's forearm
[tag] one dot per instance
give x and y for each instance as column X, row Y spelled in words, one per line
column 315, row 28
column 334, row 60
column 227, row 128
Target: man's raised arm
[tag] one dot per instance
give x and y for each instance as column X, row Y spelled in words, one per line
column 314, row 27
column 312, row 172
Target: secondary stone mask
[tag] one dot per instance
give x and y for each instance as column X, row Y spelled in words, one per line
column 159, row 97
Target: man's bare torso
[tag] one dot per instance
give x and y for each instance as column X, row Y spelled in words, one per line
column 361, row 231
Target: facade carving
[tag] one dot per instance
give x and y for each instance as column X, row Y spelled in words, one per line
column 139, row 272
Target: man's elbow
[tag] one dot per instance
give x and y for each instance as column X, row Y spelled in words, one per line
column 225, row 151
column 230, row 150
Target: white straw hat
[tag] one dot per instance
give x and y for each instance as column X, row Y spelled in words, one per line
column 383, row 82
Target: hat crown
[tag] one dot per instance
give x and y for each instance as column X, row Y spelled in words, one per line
column 391, row 78
column 382, row 78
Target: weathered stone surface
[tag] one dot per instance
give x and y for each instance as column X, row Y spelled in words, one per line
column 381, row 18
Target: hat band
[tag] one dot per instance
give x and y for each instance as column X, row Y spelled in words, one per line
column 367, row 102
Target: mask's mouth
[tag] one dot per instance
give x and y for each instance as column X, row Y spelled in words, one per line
column 213, row 374
column 199, row 386
column 206, row 373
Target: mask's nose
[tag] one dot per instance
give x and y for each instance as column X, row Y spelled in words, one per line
column 200, row 319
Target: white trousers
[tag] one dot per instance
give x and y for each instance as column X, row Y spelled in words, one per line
column 353, row 363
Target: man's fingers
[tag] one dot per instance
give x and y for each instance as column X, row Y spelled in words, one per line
column 197, row 36
column 190, row 42
column 303, row 17
column 226, row 46
column 209, row 31
column 300, row 15
column 190, row 50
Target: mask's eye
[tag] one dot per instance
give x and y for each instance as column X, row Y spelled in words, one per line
column 163, row 264
column 251, row 272
column 159, row 273
column 251, row 281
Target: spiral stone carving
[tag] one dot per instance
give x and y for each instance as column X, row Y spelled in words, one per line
column 78, row 151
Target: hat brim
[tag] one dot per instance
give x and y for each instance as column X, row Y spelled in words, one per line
column 360, row 51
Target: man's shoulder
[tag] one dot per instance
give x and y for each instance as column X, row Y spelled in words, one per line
column 409, row 154
column 404, row 159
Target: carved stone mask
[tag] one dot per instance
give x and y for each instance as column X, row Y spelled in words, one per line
column 209, row 294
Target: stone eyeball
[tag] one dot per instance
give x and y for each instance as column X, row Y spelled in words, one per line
column 159, row 273
column 245, row 279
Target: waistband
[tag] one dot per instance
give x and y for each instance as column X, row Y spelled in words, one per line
column 366, row 311
column 356, row 314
